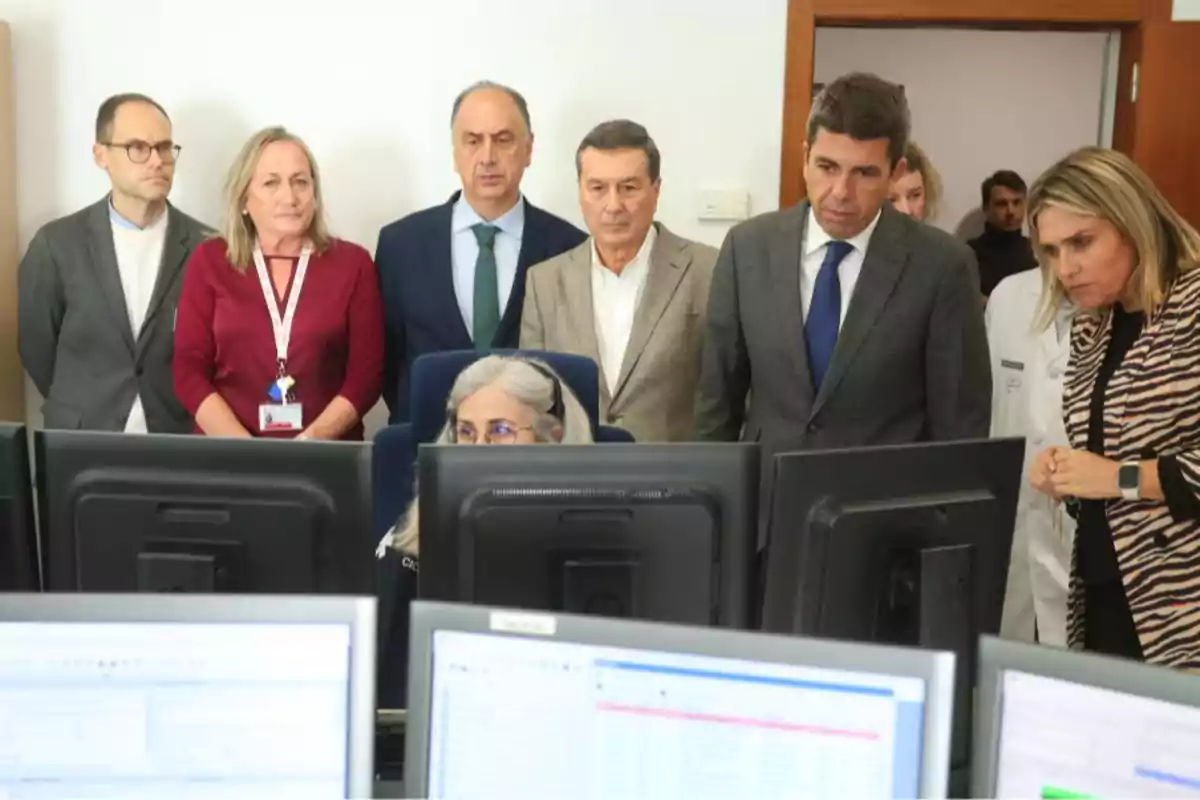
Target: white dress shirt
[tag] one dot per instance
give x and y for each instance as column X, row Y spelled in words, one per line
column 139, row 258
column 464, row 251
column 816, row 241
column 615, row 300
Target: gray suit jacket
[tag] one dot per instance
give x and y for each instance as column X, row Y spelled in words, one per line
column 656, row 391
column 74, row 334
column 911, row 361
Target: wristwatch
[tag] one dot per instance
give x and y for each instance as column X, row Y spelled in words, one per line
column 1129, row 480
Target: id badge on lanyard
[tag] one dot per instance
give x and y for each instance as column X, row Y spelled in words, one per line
column 282, row 413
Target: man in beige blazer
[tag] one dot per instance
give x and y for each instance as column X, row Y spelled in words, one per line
column 632, row 297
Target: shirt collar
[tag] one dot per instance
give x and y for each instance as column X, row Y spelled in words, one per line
column 642, row 257
column 816, row 237
column 115, row 217
column 511, row 222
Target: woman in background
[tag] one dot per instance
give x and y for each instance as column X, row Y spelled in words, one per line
column 501, row 400
column 1110, row 242
column 279, row 329
column 918, row 190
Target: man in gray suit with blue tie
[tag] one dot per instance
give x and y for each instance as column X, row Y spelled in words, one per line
column 98, row 289
column 841, row 322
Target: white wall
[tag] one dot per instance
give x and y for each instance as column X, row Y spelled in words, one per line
column 981, row 100
column 369, row 84
column 1186, row 10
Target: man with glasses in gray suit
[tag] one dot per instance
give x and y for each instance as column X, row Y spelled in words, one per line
column 840, row 322
column 98, row 288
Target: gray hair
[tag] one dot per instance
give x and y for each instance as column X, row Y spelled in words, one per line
column 530, row 382
column 621, row 134
column 517, row 98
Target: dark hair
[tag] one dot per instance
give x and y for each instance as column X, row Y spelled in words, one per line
column 621, row 134
column 109, row 108
column 864, row 107
column 1006, row 178
column 517, row 98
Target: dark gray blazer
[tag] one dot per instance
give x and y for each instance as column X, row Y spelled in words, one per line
column 911, row 362
column 74, row 335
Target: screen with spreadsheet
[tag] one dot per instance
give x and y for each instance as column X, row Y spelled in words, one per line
column 187, row 710
column 533, row 719
column 1060, row 739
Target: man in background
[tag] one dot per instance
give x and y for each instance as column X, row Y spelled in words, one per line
column 452, row 276
column 98, row 289
column 1002, row 249
column 633, row 297
column 849, row 323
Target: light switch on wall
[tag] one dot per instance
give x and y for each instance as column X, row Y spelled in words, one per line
column 723, row 204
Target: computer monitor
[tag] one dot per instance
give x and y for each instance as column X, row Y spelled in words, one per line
column 662, row 532
column 1056, row 723
column 533, row 704
column 186, row 696
column 158, row 513
column 904, row 544
column 19, row 570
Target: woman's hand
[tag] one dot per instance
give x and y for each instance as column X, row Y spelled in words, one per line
column 1079, row 473
column 1041, row 471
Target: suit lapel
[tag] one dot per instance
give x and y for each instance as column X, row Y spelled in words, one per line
column 439, row 261
column 881, row 269
column 108, row 274
column 175, row 253
column 532, row 253
column 669, row 262
column 576, row 277
column 785, row 253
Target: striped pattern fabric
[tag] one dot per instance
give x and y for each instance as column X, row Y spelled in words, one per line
column 1151, row 409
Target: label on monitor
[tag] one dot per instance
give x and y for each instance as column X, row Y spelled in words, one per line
column 519, row 622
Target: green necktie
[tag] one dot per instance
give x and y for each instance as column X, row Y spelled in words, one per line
column 486, row 316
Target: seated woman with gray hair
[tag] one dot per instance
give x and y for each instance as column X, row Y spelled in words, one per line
column 500, row 400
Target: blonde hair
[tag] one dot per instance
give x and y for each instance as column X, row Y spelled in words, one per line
column 918, row 161
column 530, row 382
column 237, row 228
column 1106, row 184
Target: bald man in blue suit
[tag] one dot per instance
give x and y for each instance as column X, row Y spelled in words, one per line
column 453, row 276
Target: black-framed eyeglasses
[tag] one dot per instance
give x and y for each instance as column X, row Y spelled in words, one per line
column 139, row 151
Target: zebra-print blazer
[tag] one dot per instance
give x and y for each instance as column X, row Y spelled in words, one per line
column 1151, row 410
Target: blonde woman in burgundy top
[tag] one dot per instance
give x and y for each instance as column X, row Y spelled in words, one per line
column 279, row 330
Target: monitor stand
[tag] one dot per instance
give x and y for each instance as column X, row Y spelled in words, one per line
column 187, row 566
column 927, row 599
column 602, row 585
column 944, row 609
column 929, row 603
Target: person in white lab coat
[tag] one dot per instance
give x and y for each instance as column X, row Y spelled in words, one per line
column 1029, row 360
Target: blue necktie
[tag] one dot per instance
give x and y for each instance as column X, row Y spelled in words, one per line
column 825, row 312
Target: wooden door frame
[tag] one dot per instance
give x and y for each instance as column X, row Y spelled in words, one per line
column 804, row 16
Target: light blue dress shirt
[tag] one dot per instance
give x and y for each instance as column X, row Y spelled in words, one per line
column 115, row 217
column 465, row 250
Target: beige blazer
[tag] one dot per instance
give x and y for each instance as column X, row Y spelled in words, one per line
column 656, row 393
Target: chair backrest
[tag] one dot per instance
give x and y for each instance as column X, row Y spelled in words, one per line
column 433, row 376
column 392, row 453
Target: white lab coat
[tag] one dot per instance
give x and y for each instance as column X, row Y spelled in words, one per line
column 1028, row 365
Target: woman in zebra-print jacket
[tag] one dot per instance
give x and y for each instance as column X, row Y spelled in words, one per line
column 1110, row 242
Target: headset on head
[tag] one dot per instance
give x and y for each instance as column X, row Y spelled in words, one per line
column 557, row 408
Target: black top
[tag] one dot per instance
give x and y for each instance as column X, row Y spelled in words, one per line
column 1001, row 253
column 1095, row 551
